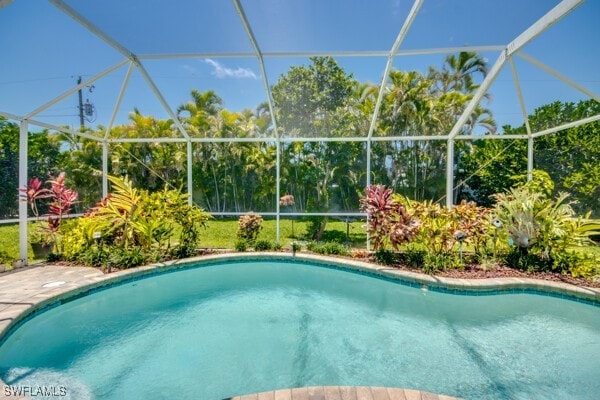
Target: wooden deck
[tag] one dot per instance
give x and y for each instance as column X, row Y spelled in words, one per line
column 344, row 393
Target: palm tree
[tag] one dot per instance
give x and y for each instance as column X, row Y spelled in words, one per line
column 201, row 113
column 458, row 71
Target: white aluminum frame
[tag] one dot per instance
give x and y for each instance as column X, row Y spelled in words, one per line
column 133, row 60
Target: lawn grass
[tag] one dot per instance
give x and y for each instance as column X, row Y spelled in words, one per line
column 9, row 241
column 221, row 234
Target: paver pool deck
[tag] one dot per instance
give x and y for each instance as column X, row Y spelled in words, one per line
column 26, row 290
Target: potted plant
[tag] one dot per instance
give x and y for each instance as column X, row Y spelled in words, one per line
column 40, row 246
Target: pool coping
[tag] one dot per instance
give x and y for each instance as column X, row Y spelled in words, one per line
column 14, row 313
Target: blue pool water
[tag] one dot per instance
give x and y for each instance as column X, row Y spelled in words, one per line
column 245, row 327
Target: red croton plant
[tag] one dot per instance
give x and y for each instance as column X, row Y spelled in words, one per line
column 61, row 200
column 388, row 219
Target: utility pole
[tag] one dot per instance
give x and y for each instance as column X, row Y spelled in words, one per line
column 81, row 120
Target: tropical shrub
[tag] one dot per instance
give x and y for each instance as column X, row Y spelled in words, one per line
column 129, row 257
column 334, row 236
column 4, row 258
column 131, row 227
column 475, row 223
column 240, row 245
column 328, row 248
column 434, row 262
column 438, row 226
column 385, row 257
column 60, row 202
column 414, row 258
column 263, row 245
column 544, row 232
column 249, row 226
column 441, row 226
column 388, row 220
column 540, row 182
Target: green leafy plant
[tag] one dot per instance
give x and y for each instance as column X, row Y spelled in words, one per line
column 475, row 223
column 327, row 248
column 4, row 258
column 240, row 245
column 543, row 231
column 263, row 245
column 438, row 226
column 434, row 262
column 415, row 258
column 385, row 257
column 135, row 227
column 128, row 257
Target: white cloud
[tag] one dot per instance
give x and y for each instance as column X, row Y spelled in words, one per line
column 221, row 71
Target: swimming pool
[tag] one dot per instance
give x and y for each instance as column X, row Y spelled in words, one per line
column 243, row 327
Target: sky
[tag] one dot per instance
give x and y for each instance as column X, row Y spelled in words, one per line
column 43, row 51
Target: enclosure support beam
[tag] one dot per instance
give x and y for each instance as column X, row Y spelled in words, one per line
column 23, row 160
column 259, row 55
column 119, row 100
column 513, row 69
column 161, row 98
column 559, row 76
column 520, row 95
column 307, row 54
column 61, row 5
column 368, row 184
column 567, row 126
column 49, row 126
column 104, row 169
column 529, row 159
column 190, row 181
column 450, row 174
column 10, row 116
column 553, row 16
column 75, row 89
column 388, row 66
column 126, row 52
column 4, row 3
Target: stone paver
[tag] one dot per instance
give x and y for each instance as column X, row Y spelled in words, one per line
column 396, row 394
column 412, row 394
column 285, row 394
column 363, row 393
column 379, row 393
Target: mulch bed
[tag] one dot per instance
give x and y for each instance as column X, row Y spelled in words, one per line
column 501, row 271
